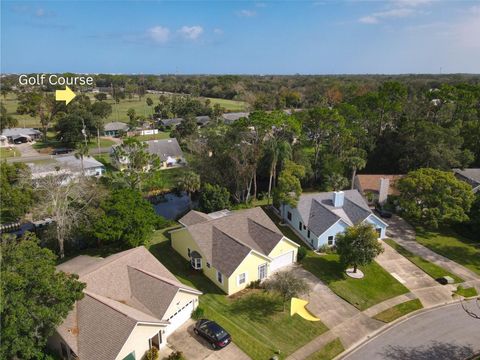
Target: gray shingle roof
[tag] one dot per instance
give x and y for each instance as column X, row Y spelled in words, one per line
column 318, row 213
column 234, row 116
column 472, row 174
column 225, row 241
column 121, row 290
column 193, row 217
column 165, row 148
column 20, row 132
column 115, row 126
column 74, row 163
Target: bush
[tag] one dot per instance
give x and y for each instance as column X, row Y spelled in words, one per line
column 257, row 284
column 327, row 249
column 302, row 252
column 214, row 198
column 176, row 355
column 151, row 354
column 197, row 313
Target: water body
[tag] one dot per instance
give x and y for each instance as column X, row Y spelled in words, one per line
column 171, row 206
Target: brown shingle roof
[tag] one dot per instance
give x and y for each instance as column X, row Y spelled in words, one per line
column 121, row 290
column 371, row 183
column 227, row 240
column 193, row 217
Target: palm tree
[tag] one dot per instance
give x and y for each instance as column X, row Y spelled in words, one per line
column 356, row 163
column 336, row 181
column 82, row 151
column 279, row 150
column 189, row 182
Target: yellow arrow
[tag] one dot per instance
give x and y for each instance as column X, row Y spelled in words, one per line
column 66, row 95
column 297, row 306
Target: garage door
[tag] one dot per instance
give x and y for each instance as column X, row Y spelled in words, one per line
column 281, row 261
column 179, row 318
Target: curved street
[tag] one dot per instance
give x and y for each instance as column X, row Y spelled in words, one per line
column 443, row 333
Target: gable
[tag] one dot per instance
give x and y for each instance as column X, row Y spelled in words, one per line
column 283, row 247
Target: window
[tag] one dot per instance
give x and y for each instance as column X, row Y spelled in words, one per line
column 196, row 263
column 188, row 252
column 304, row 227
column 330, row 240
column 289, row 216
column 208, row 265
column 308, row 234
column 262, row 271
column 379, row 232
column 155, row 341
column 219, row 277
column 300, row 225
column 242, row 278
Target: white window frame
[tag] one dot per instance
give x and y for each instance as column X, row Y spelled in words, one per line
column 332, row 239
column 244, row 280
column 219, row 277
column 197, row 263
column 264, row 265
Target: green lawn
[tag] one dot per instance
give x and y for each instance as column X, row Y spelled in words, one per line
column 164, row 180
column 8, row 152
column 255, row 320
column 328, row 352
column 466, row 292
column 377, row 285
column 399, row 310
column 229, row 105
column 160, row 136
column 431, row 269
column 453, row 246
column 52, row 143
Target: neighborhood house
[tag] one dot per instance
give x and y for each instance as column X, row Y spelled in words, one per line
column 115, row 128
column 168, row 150
column 377, row 188
column 233, row 248
column 69, row 165
column 131, row 303
column 19, row 136
column 319, row 217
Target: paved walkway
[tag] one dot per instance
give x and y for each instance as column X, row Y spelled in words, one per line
column 414, row 279
column 404, row 234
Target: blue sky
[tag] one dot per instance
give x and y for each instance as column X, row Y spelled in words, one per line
column 241, row 37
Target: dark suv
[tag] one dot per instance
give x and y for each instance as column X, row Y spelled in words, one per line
column 382, row 212
column 213, row 333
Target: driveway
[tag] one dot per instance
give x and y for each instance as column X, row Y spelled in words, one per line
column 442, row 333
column 27, row 150
column 413, row 278
column 196, row 348
column 404, row 234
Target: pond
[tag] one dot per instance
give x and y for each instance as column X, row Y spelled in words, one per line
column 171, row 205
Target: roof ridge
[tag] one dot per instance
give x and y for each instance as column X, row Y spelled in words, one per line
column 263, row 226
column 175, row 283
column 103, row 263
column 326, row 208
column 231, row 237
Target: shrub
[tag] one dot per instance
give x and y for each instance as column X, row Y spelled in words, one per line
column 197, row 313
column 176, row 355
column 327, row 249
column 255, row 284
column 151, row 354
column 302, row 252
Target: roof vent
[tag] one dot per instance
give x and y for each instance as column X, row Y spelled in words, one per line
column 338, row 199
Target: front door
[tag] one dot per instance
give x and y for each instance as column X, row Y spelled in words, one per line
column 262, row 271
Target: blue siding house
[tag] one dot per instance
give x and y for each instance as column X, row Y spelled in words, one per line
column 319, row 217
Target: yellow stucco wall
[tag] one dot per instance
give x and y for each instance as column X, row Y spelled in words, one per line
column 249, row 266
column 283, row 247
column 138, row 341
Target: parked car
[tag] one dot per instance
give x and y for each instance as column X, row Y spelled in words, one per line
column 382, row 212
column 61, row 151
column 216, row 336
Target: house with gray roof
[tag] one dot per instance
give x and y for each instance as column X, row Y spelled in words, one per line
column 69, row 165
column 471, row 176
column 131, row 303
column 230, row 118
column 168, row 150
column 21, row 135
column 115, row 128
column 320, row 217
column 233, row 248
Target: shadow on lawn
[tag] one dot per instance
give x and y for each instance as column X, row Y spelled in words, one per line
column 256, row 306
column 327, row 268
column 433, row 351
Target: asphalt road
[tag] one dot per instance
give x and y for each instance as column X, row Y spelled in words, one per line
column 93, row 151
column 445, row 333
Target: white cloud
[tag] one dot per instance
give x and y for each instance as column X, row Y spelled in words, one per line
column 368, row 20
column 218, row 31
column 247, row 13
column 159, row 34
column 376, row 17
column 411, row 3
column 191, row 32
column 40, row 12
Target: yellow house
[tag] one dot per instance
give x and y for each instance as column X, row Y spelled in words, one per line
column 235, row 248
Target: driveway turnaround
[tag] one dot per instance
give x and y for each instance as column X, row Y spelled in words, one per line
column 194, row 347
column 442, row 333
column 404, row 234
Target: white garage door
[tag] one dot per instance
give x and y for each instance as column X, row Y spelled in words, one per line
column 281, row 261
column 179, row 318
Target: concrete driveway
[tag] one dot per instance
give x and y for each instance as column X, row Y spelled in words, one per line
column 196, row 348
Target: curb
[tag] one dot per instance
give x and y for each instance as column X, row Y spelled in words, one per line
column 356, row 346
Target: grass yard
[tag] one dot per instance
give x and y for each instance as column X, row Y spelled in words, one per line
column 160, row 136
column 46, row 147
column 377, row 285
column 399, row 310
column 329, row 351
column 229, row 105
column 255, row 320
column 453, row 246
column 164, row 180
column 8, row 152
column 431, row 269
column 466, row 292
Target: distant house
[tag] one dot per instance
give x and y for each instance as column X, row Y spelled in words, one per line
column 67, row 165
column 173, row 122
column 377, row 188
column 168, row 150
column 234, row 248
column 21, row 135
column 131, row 304
column 230, row 118
column 115, row 128
column 144, row 131
column 320, row 217
column 471, row 176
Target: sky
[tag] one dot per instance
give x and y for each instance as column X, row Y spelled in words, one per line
column 241, row 37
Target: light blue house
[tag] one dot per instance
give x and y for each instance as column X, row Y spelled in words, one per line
column 319, row 217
